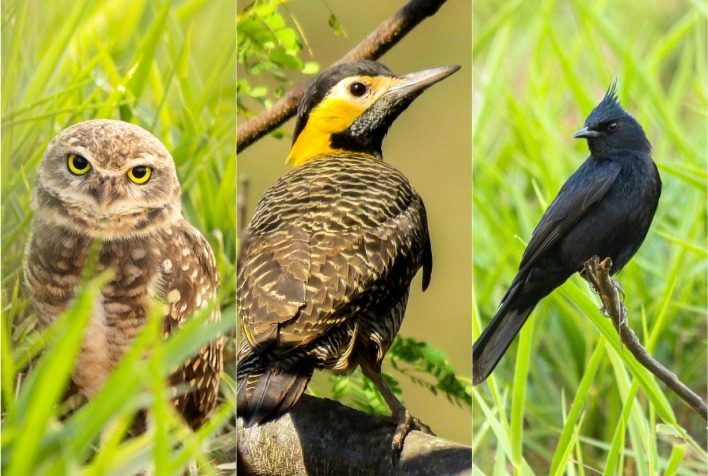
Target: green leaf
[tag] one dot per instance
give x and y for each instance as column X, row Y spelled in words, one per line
column 335, row 25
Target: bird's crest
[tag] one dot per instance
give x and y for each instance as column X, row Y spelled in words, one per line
column 611, row 94
column 609, row 108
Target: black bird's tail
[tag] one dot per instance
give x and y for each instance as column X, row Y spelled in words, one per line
column 264, row 392
column 499, row 333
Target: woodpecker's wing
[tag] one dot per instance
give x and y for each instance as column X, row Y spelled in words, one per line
column 578, row 194
column 328, row 240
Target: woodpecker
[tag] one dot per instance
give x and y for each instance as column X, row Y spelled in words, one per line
column 326, row 263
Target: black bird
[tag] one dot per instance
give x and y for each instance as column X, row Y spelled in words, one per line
column 605, row 208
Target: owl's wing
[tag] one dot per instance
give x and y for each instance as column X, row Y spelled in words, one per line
column 327, row 259
column 191, row 281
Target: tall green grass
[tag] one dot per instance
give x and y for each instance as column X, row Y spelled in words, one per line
column 168, row 67
column 566, row 398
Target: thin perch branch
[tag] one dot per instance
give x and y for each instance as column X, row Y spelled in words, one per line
column 598, row 274
column 320, row 436
column 372, row 47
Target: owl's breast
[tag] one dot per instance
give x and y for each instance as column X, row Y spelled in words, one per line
column 137, row 284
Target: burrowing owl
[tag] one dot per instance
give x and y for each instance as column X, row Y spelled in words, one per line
column 116, row 183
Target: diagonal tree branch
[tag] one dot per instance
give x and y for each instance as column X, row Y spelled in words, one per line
column 597, row 273
column 372, row 47
column 320, row 436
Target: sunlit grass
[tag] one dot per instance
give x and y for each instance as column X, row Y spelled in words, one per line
column 567, row 399
column 168, row 67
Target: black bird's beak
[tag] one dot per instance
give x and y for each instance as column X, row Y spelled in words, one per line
column 586, row 133
column 412, row 84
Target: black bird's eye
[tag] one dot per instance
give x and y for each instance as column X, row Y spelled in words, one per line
column 78, row 165
column 358, row 89
column 613, row 126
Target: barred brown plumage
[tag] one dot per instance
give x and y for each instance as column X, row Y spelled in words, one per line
column 156, row 256
column 326, row 262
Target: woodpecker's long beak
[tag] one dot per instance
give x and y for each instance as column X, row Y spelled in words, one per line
column 585, row 133
column 413, row 84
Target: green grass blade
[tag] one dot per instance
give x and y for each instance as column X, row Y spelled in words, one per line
column 44, row 387
column 571, row 427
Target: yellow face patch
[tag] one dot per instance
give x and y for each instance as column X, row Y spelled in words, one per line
column 335, row 113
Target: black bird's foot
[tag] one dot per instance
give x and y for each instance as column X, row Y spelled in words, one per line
column 623, row 309
column 587, row 275
column 593, row 288
column 619, row 289
column 405, row 424
column 623, row 312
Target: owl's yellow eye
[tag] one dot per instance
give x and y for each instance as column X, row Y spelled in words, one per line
column 140, row 174
column 78, row 165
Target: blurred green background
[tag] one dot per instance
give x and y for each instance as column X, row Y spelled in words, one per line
column 563, row 400
column 156, row 64
column 430, row 143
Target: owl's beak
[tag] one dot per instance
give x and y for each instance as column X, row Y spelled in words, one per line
column 104, row 195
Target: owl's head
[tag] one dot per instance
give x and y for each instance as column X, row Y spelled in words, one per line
column 108, row 179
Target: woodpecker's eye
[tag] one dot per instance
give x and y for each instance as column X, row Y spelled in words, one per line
column 613, row 126
column 140, row 174
column 358, row 89
column 78, row 165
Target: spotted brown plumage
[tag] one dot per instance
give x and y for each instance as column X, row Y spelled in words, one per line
column 155, row 255
column 326, row 262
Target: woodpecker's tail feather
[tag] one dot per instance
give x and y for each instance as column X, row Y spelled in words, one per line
column 264, row 393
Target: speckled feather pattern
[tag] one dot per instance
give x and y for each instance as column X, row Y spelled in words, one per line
column 325, row 268
column 156, row 256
